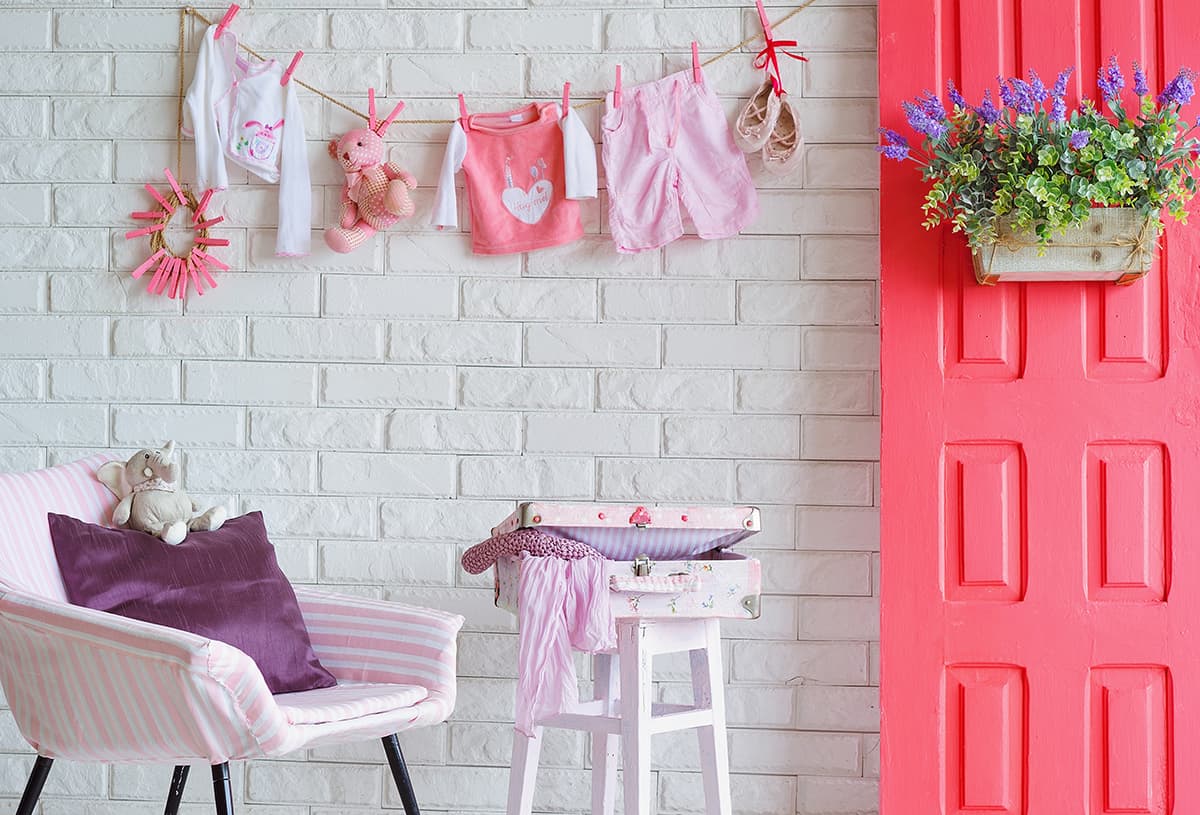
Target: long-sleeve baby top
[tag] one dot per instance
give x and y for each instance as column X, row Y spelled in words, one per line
column 525, row 170
column 238, row 111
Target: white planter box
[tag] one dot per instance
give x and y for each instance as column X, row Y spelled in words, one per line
column 1114, row 244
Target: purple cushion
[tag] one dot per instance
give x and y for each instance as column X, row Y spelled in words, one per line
column 225, row 585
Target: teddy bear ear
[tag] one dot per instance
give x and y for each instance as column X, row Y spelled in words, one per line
column 332, row 147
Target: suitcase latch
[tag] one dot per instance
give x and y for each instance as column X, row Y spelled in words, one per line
column 641, row 565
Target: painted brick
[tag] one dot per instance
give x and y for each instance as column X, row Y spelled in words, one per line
column 816, row 573
column 591, row 256
column 261, row 252
column 529, row 299
column 838, row 796
column 441, row 75
column 667, row 302
column 387, row 386
column 842, row 75
column 755, row 794
column 54, row 73
column 316, row 516
column 384, row 31
column 263, row 383
column 441, row 430
column 116, row 30
column 77, row 780
column 445, row 253
column 806, row 303
column 53, row 249
column 528, row 31
column 271, row 781
column 25, row 31
column 521, row 476
column 667, row 480
column 42, row 423
column 671, row 30
column 24, row 118
column 490, row 744
column 804, row 392
column 840, row 437
column 841, row 348
column 418, row 564
column 740, row 258
column 55, row 161
column 602, row 434
column 21, row 380
column 114, row 380
column 109, row 117
column 306, row 338
column 795, row 752
column 315, row 429
column 733, row 436
column 22, row 293
column 827, row 257
column 387, row 474
column 665, row 390
column 808, row 482
column 417, row 297
column 463, row 343
column 731, row 346
column 177, row 337
column 825, row 29
column 837, row 708
column 834, row 166
column 138, row 426
column 105, row 293
column 260, row 293
column 438, row 520
column 533, row 389
column 591, row 75
column 837, row 528
column 839, row 618
column 597, row 344
column 45, row 336
column 835, row 212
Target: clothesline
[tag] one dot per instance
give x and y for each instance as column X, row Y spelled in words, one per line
column 189, row 10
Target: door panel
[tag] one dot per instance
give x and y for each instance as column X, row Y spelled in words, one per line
column 1041, row 470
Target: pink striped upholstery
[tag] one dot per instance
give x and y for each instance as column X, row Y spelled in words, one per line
column 26, row 556
column 91, row 686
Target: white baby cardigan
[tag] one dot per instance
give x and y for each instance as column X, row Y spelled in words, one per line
column 237, row 110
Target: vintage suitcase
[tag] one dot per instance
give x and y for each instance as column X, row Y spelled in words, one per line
column 662, row 561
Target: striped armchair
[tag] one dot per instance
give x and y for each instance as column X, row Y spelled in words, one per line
column 90, row 686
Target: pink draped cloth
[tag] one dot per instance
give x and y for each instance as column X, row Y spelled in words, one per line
column 562, row 605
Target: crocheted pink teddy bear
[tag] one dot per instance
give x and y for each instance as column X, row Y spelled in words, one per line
column 376, row 192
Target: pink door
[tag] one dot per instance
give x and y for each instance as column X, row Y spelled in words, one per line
column 1041, row 475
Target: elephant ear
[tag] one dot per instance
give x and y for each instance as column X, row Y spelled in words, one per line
column 112, row 475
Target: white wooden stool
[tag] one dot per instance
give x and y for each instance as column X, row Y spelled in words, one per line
column 622, row 712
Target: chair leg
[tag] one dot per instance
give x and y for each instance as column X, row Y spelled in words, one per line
column 222, row 789
column 634, row 654
column 175, row 795
column 606, row 747
column 391, row 746
column 522, row 776
column 33, row 787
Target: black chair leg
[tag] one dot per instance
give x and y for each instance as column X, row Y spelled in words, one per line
column 178, row 782
column 33, row 787
column 222, row 789
column 391, row 746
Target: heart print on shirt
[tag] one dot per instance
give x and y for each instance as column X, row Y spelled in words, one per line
column 527, row 205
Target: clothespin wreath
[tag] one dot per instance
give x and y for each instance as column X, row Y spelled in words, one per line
column 174, row 272
column 768, row 58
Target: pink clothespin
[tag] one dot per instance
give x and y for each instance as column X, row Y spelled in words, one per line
column 199, row 264
column 211, row 222
column 167, row 205
column 566, row 105
column 146, row 230
column 768, row 58
column 617, row 88
column 191, row 270
column 226, row 20
column 209, row 259
column 371, row 108
column 212, row 242
column 146, row 214
column 696, row 75
column 200, row 207
column 148, row 262
column 175, row 186
column 462, row 106
column 291, row 69
column 159, row 273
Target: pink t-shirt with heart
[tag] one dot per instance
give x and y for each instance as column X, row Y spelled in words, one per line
column 525, row 170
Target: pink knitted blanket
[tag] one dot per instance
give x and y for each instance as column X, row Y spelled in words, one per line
column 480, row 557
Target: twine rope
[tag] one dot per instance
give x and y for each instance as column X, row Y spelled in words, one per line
column 189, row 10
column 1139, row 247
column 158, row 240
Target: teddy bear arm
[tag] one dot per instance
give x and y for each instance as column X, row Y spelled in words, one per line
column 394, row 171
column 349, row 210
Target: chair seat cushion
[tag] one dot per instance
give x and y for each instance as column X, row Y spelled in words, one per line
column 224, row 585
column 349, row 700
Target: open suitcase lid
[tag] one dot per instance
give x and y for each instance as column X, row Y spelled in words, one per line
column 625, row 531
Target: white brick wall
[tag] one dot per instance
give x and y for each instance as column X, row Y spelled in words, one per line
column 384, row 409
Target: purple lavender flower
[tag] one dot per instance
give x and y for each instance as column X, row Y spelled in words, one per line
column 956, row 98
column 896, row 147
column 1058, row 96
column 987, row 109
column 1139, row 80
column 932, row 106
column 1179, row 91
column 1020, row 96
column 1080, row 139
column 1006, row 95
column 1058, row 110
column 1060, row 84
column 922, row 122
column 1037, row 88
column 1110, row 80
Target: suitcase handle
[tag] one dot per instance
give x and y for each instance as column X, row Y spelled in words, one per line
column 654, row 584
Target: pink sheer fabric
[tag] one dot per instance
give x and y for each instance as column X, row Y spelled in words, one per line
column 563, row 605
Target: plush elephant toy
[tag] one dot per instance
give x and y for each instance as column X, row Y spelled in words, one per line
column 150, row 500
column 376, row 194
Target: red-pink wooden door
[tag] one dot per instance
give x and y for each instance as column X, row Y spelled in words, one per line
column 1041, row 475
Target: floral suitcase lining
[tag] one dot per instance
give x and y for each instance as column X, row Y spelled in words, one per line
column 691, row 572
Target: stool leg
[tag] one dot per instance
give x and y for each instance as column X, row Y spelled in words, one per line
column 521, row 777
column 605, row 746
column 636, row 690
column 708, row 688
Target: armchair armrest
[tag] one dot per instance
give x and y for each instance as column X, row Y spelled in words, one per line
column 364, row 640
column 88, row 685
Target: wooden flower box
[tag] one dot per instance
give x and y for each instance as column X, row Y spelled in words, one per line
column 1115, row 244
